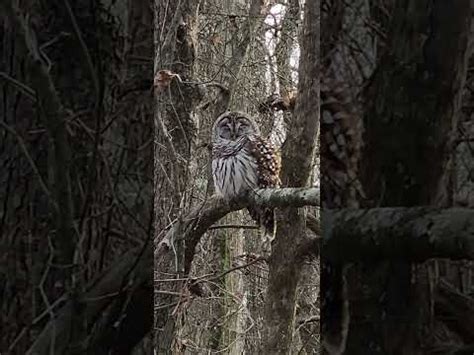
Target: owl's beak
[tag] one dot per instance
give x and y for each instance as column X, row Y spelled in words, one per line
column 233, row 136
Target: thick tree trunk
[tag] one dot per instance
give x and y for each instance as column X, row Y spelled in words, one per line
column 298, row 162
column 412, row 106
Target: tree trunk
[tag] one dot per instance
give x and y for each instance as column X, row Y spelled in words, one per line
column 413, row 102
column 297, row 167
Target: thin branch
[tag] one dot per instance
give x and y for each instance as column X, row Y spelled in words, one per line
column 214, row 277
column 29, row 92
column 32, row 163
column 85, row 51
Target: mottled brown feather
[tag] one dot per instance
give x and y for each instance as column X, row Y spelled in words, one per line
column 269, row 164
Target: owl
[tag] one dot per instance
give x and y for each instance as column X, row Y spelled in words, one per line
column 243, row 160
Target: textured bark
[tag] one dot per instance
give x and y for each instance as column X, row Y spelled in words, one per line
column 308, row 310
column 298, row 159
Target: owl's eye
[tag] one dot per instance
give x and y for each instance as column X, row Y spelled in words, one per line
column 225, row 132
column 243, row 127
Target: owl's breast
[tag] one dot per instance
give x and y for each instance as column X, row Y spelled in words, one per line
column 234, row 174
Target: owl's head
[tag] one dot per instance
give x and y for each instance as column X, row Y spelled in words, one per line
column 232, row 125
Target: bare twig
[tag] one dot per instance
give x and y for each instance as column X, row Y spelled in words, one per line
column 30, row 160
column 85, row 51
column 29, row 92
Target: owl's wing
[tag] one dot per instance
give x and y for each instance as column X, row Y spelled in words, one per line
column 268, row 172
column 268, row 162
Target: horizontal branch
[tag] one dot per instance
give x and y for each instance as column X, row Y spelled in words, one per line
column 202, row 217
column 415, row 234
column 285, row 197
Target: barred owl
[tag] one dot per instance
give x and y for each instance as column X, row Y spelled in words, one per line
column 242, row 160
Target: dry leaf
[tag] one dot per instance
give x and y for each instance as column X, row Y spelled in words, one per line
column 163, row 79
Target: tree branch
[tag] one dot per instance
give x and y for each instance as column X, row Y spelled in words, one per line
column 285, row 197
column 415, row 234
column 202, row 217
